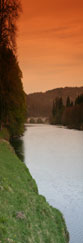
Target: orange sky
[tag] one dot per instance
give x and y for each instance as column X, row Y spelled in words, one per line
column 50, row 44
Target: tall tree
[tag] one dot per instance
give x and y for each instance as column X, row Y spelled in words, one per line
column 12, row 105
column 57, row 110
column 79, row 99
column 68, row 102
column 9, row 12
column 12, row 98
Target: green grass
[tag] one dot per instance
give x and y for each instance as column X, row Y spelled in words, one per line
column 25, row 216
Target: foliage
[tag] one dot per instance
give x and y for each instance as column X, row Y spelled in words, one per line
column 18, row 145
column 25, row 216
column 12, row 98
column 4, row 134
column 71, row 115
column 68, row 102
column 39, row 120
column 57, row 110
column 79, row 99
column 32, row 120
column 9, row 12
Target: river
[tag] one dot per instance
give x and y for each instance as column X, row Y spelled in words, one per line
column 54, row 156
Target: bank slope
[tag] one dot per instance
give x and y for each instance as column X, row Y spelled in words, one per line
column 25, row 216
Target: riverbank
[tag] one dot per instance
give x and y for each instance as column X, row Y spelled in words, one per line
column 25, row 216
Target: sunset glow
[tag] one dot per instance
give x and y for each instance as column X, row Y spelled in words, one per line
column 50, row 44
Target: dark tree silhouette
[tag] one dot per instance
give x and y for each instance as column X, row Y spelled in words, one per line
column 12, row 97
column 57, row 110
column 68, row 102
column 9, row 12
column 70, row 115
column 79, row 99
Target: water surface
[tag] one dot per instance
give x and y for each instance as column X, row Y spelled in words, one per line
column 54, row 157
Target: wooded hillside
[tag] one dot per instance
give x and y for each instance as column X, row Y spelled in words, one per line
column 40, row 104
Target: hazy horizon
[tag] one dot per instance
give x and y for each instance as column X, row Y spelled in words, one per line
column 47, row 90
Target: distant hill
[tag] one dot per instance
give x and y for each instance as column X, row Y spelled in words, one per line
column 40, row 104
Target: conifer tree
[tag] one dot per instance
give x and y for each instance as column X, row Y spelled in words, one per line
column 68, row 102
column 9, row 12
column 12, row 98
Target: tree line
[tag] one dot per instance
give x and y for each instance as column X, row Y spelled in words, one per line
column 12, row 97
column 70, row 115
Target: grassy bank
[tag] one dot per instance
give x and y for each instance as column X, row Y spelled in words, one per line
column 4, row 134
column 25, row 216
